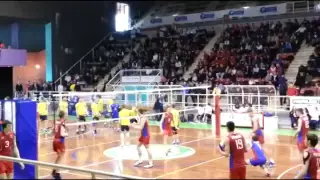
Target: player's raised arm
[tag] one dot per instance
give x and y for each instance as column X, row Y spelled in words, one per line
column 17, row 153
column 304, row 170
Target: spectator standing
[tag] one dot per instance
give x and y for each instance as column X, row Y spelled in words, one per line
column 158, row 108
column 292, row 91
column 283, row 87
column 19, row 90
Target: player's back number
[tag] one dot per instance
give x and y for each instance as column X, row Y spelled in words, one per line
column 239, row 143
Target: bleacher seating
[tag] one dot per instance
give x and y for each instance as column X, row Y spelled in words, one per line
column 171, row 51
column 308, row 77
column 250, row 54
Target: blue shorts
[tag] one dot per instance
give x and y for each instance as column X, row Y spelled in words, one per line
column 258, row 162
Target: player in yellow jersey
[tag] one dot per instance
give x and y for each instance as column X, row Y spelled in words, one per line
column 82, row 112
column 42, row 109
column 95, row 114
column 175, row 124
column 124, row 116
column 109, row 112
column 63, row 106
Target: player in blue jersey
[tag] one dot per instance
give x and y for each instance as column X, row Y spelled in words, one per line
column 259, row 158
column 115, row 108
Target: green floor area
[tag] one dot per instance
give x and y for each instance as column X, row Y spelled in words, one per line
column 283, row 132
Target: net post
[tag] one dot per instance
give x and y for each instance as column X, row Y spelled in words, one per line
column 217, row 113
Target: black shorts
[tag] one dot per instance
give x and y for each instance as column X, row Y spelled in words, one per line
column 43, row 117
column 124, row 128
column 133, row 120
column 174, row 130
column 95, row 118
column 82, row 118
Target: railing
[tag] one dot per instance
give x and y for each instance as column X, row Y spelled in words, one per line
column 136, row 76
column 70, row 168
column 80, row 60
column 262, row 102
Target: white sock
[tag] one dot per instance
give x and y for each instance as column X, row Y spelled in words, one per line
column 128, row 138
column 122, row 138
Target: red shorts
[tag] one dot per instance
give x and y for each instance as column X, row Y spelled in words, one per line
column 58, row 147
column 6, row 167
column 301, row 146
column 144, row 140
column 238, row 173
column 167, row 132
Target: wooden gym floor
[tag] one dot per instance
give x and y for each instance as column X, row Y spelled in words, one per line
column 87, row 151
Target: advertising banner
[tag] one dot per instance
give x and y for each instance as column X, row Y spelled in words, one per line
column 275, row 9
column 143, row 79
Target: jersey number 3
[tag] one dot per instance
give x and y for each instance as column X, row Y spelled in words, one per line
column 239, row 143
column 6, row 144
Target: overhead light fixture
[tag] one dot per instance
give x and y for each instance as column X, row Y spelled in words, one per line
column 246, row 7
column 175, row 15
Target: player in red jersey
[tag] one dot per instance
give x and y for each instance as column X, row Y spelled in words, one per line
column 8, row 147
column 302, row 130
column 144, row 139
column 311, row 159
column 165, row 127
column 60, row 132
column 257, row 131
column 234, row 147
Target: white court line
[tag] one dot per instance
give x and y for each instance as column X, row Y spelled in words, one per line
column 183, row 169
column 290, row 169
column 110, row 142
column 94, row 164
column 286, row 171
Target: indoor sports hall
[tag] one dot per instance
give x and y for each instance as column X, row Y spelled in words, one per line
column 100, row 156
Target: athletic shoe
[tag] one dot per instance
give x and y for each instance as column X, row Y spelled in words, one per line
column 78, row 131
column 268, row 174
column 148, row 166
column 138, row 163
column 95, row 132
column 168, row 152
column 57, row 176
column 271, row 164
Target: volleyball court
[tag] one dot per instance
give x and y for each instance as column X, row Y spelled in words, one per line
column 196, row 156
